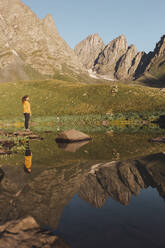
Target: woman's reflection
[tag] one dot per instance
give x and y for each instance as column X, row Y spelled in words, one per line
column 28, row 158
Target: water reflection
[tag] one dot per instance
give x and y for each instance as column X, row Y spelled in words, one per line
column 58, row 177
column 45, row 196
column 72, row 147
column 28, row 157
column 121, row 180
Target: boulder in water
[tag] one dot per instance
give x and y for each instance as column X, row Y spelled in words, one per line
column 72, row 136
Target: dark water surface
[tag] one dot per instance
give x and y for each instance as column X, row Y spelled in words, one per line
column 109, row 192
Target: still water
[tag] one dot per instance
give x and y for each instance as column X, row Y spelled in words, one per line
column 109, row 192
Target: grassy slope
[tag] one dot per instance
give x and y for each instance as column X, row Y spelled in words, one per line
column 55, row 97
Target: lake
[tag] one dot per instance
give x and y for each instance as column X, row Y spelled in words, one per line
column 108, row 192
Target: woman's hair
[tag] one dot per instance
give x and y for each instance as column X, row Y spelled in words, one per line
column 24, row 98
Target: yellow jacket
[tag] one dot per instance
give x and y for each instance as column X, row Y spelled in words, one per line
column 26, row 107
column 28, row 161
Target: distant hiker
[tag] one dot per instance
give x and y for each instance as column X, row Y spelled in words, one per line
column 27, row 111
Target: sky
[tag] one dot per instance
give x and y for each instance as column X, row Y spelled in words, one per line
column 141, row 21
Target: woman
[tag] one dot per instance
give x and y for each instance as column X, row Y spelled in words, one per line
column 27, row 111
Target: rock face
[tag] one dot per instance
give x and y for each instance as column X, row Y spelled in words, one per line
column 27, row 41
column 89, row 49
column 110, row 56
column 114, row 61
column 31, row 48
column 25, row 233
column 159, row 50
column 156, row 64
column 117, row 60
column 125, row 63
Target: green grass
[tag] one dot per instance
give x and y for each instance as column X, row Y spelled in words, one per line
column 61, row 98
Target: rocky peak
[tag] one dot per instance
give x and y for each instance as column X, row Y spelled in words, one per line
column 89, row 49
column 160, row 47
column 108, row 58
column 159, row 52
column 94, row 39
column 125, row 63
column 36, row 41
column 49, row 24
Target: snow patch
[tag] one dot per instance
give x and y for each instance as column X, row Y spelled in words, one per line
column 97, row 76
column 14, row 52
column 92, row 74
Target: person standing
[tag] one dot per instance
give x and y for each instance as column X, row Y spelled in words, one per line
column 27, row 111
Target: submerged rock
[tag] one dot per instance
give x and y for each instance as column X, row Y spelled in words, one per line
column 4, row 152
column 72, row 136
column 158, row 139
column 29, row 134
column 6, row 142
column 23, row 133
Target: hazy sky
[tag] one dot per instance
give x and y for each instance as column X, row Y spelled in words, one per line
column 142, row 21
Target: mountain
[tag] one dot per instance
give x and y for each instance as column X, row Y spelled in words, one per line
column 89, row 49
column 119, row 61
column 30, row 47
column 109, row 57
column 157, row 63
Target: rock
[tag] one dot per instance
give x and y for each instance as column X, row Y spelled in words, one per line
column 26, row 233
column 29, row 134
column 48, row 131
column 105, row 123
column 35, row 137
column 110, row 56
column 72, row 136
column 133, row 70
column 89, row 49
column 158, row 139
column 125, row 63
column 4, row 152
column 23, row 133
column 158, row 52
column 3, row 133
column 6, row 142
column 33, row 48
column 114, row 90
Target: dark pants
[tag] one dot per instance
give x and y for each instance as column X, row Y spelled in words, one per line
column 27, row 118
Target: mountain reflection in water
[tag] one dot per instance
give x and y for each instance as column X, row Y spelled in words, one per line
column 45, row 196
column 60, row 178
